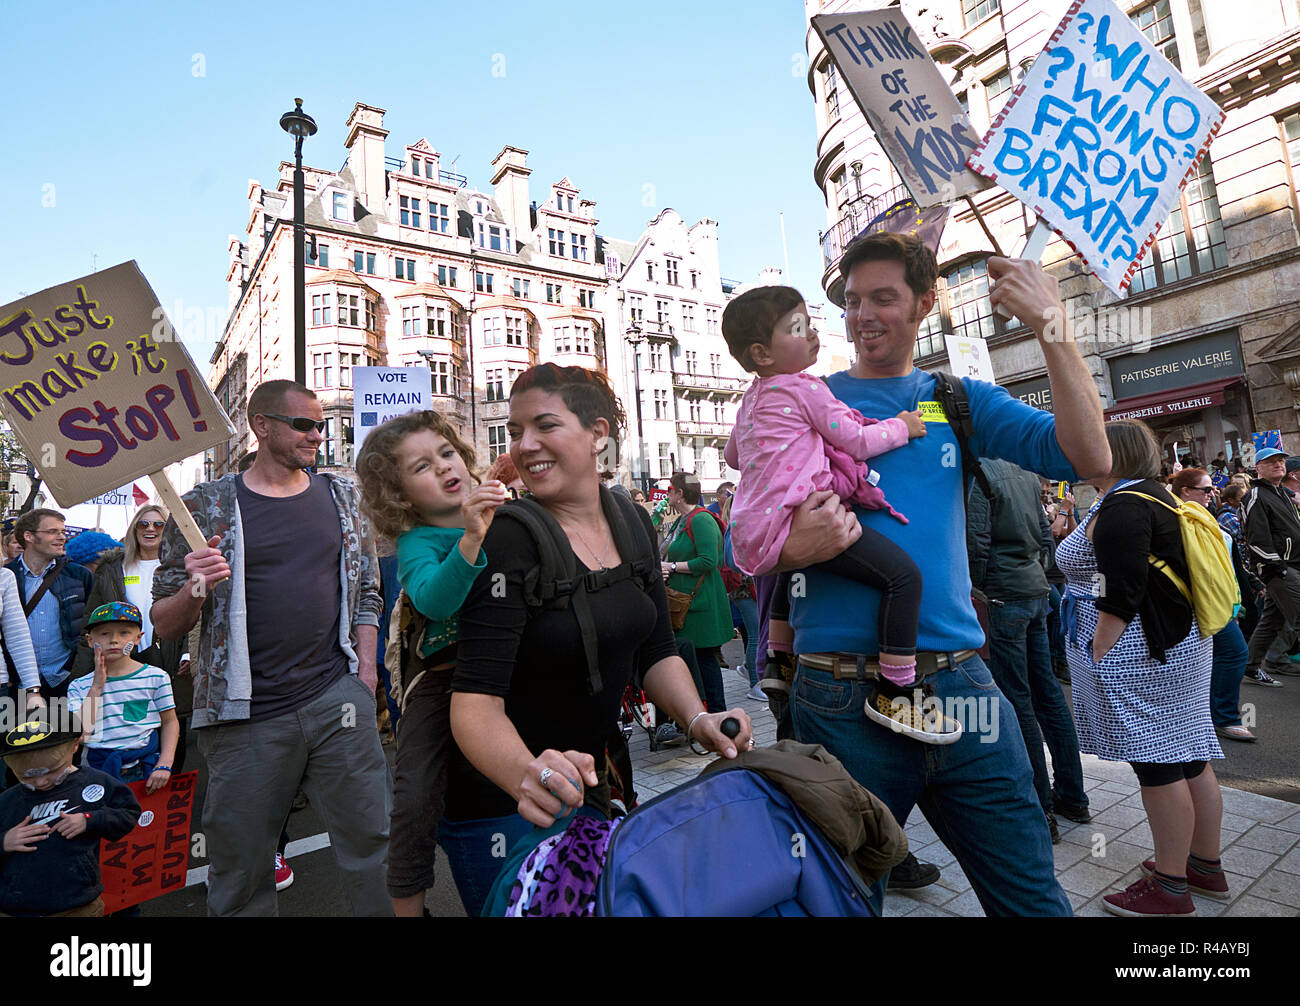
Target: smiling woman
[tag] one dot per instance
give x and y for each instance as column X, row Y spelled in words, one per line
column 529, row 710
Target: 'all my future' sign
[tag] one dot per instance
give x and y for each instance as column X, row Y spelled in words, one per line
column 909, row 105
column 1099, row 138
column 98, row 389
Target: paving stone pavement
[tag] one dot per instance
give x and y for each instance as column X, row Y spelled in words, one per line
column 1261, row 835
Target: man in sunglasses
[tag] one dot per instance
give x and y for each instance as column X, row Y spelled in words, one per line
column 53, row 593
column 284, row 677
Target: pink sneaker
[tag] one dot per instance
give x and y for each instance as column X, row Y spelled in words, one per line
column 283, row 873
column 1209, row 885
column 1146, row 898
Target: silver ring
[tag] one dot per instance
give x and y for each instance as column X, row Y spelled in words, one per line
column 751, row 744
column 545, row 777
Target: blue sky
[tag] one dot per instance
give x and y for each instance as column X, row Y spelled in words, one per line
column 118, row 150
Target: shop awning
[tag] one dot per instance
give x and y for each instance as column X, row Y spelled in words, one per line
column 1164, row 403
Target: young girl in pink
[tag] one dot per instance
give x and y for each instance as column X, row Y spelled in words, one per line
column 793, row 437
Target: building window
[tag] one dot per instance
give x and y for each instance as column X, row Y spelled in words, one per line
column 492, row 331
column 832, row 92
column 516, row 330
column 665, row 460
column 320, row 309
column 447, row 275
column 670, row 265
column 715, row 364
column 695, row 410
column 661, row 404
column 929, row 335
column 582, row 342
column 562, row 344
column 428, row 168
column 444, row 377
column 711, row 321
column 975, row 11
column 329, row 446
column 370, row 314
column 494, row 237
column 410, row 208
column 522, row 288
column 412, row 322
column 690, row 361
column 578, row 243
column 1157, row 24
column 555, row 239
column 363, row 262
column 341, row 206
column 695, row 279
column 439, row 217
column 1191, row 241
column 656, row 357
column 483, row 282
column 553, row 293
column 650, row 271
column 435, row 316
column 662, row 313
column 969, row 309
column 322, row 369
column 995, row 90
column 688, row 318
column 405, row 268
column 1291, row 139
column 498, row 443
column 322, row 257
column 415, row 166
column 346, row 362
column 636, row 307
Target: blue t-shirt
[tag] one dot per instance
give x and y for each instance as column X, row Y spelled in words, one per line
column 923, row 481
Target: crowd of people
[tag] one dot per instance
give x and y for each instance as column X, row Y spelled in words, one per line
column 513, row 607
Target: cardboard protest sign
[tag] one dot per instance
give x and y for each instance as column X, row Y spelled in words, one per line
column 111, row 512
column 906, row 100
column 380, row 393
column 98, row 389
column 1099, row 138
column 154, row 856
column 968, row 356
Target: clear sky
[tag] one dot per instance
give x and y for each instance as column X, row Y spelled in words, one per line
column 133, row 128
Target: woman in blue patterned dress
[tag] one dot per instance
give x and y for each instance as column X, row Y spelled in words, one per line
column 1141, row 673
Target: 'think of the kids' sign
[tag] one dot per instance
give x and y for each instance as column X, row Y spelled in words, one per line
column 97, row 390
column 1099, row 138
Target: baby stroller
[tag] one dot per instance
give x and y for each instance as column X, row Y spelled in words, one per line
column 733, row 842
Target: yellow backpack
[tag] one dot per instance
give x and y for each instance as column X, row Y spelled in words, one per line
column 1213, row 594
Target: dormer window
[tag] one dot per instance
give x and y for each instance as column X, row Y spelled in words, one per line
column 478, row 206
column 415, row 166
column 340, row 206
column 428, row 169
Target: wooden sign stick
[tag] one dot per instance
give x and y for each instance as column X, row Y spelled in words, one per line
column 179, row 511
column 997, row 248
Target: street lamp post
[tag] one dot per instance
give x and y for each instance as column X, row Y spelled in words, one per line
column 635, row 337
column 299, row 125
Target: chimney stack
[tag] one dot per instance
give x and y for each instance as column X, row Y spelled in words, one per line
column 365, row 144
column 510, row 187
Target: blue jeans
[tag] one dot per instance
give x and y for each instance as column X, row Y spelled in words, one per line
column 1225, row 675
column 1022, row 667
column 748, row 609
column 977, row 794
column 476, row 851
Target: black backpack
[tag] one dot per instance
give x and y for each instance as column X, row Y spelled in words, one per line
column 950, row 393
column 553, row 583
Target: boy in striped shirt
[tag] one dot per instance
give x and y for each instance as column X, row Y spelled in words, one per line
column 128, row 715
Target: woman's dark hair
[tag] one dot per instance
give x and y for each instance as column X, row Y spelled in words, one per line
column 1188, row 478
column 388, row 510
column 1231, row 493
column 750, row 319
column 689, row 484
column 586, row 393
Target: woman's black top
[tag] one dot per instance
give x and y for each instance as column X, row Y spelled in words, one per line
column 535, row 660
column 1126, row 530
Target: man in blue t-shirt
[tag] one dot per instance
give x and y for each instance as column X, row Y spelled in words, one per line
column 977, row 793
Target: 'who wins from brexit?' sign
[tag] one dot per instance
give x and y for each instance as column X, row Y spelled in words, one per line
column 380, row 393
column 1099, row 138
column 909, row 105
column 98, row 389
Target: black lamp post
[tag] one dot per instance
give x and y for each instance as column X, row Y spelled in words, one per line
column 635, row 337
column 299, row 125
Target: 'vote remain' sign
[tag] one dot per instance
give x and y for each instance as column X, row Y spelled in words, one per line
column 98, row 389
column 906, row 100
column 1099, row 138
column 381, row 393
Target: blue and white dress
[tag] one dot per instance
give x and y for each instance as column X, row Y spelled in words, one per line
column 1131, row 707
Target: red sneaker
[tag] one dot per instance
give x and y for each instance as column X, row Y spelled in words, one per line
column 1209, row 885
column 1147, row 898
column 283, row 873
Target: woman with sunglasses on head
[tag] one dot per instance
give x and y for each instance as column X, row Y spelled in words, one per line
column 126, row 574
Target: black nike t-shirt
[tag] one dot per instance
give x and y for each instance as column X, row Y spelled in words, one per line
column 292, row 551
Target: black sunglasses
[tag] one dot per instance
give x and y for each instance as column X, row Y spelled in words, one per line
column 300, row 423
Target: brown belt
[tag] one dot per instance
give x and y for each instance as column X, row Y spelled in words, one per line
column 856, row 666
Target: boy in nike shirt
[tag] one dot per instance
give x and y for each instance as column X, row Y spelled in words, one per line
column 52, row 823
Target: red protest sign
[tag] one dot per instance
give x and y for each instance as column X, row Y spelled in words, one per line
column 152, row 859
column 658, row 494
